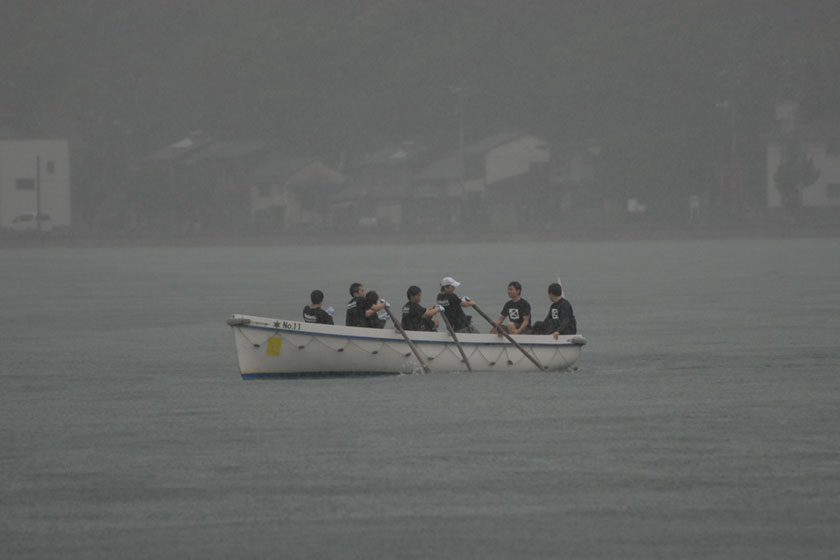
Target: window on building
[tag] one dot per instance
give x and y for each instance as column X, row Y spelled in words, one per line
column 51, row 167
column 25, row 184
column 832, row 191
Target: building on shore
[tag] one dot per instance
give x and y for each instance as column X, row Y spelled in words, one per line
column 35, row 181
column 815, row 142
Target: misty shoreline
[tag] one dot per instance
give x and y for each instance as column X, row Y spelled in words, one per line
column 10, row 240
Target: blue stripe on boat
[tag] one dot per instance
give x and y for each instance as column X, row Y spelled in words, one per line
column 317, row 374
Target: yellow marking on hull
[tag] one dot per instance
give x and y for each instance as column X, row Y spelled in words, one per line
column 273, row 346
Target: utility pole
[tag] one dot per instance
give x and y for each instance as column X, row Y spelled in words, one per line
column 38, row 193
column 733, row 160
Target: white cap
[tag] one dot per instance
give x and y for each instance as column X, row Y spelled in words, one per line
column 449, row 281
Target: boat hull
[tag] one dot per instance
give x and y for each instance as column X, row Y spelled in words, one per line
column 272, row 348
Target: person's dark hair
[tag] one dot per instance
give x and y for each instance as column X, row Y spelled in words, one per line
column 412, row 291
column 317, row 296
column 354, row 287
column 516, row 285
column 555, row 289
column 371, row 297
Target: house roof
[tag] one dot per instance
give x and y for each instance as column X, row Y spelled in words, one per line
column 490, row 142
column 225, row 150
column 192, row 142
column 200, row 146
column 395, row 154
column 450, row 166
column 282, row 168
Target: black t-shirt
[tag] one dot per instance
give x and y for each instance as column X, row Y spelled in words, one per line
column 516, row 311
column 413, row 320
column 355, row 312
column 561, row 318
column 453, row 310
column 373, row 321
column 316, row 315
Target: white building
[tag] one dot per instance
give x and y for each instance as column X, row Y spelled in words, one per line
column 500, row 158
column 35, row 176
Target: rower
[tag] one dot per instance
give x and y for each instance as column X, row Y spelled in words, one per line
column 313, row 313
column 453, row 306
column 415, row 317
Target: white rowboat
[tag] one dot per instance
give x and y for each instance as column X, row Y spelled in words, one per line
column 278, row 348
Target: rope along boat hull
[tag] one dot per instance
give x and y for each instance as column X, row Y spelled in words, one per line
column 269, row 348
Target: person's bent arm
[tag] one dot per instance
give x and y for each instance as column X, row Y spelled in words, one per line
column 434, row 310
column 497, row 329
column 374, row 308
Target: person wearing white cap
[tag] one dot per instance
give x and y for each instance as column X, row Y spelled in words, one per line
column 453, row 306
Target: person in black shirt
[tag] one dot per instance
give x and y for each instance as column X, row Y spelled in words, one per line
column 415, row 317
column 560, row 318
column 453, row 306
column 517, row 311
column 372, row 307
column 313, row 313
column 358, row 308
column 355, row 316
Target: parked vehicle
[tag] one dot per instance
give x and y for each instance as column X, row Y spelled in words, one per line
column 28, row 222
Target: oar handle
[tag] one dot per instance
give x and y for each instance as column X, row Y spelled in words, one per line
column 411, row 344
column 528, row 355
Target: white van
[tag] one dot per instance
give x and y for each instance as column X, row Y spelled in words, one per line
column 26, row 222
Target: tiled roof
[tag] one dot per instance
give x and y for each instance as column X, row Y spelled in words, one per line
column 178, row 150
column 407, row 151
column 490, row 142
column 225, row 150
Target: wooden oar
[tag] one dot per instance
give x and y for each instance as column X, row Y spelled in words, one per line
column 455, row 338
column 528, row 355
column 408, row 340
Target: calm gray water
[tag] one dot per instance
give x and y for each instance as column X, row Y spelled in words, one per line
column 703, row 420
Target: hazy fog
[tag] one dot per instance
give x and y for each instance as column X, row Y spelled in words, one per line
column 377, row 116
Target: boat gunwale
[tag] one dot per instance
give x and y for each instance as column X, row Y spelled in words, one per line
column 501, row 342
